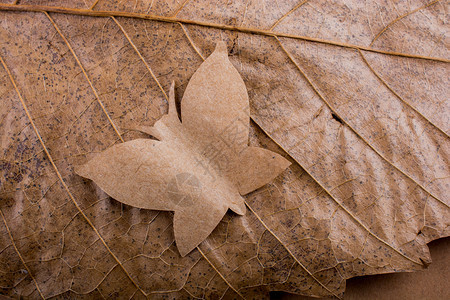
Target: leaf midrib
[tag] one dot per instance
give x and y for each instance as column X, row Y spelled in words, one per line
column 101, row 13
column 13, row 243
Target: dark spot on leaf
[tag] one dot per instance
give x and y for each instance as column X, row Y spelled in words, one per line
column 337, row 118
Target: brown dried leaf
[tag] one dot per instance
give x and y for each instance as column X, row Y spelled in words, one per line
column 353, row 93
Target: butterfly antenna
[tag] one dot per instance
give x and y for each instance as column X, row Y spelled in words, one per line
column 172, row 105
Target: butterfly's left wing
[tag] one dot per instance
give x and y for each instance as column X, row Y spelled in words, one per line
column 136, row 173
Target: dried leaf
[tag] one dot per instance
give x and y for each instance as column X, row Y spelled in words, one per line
column 353, row 94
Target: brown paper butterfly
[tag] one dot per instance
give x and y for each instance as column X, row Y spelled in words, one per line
column 198, row 167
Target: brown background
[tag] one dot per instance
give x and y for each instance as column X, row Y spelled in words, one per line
column 432, row 283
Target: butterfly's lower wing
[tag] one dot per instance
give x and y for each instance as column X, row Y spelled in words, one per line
column 202, row 219
column 256, row 167
column 137, row 173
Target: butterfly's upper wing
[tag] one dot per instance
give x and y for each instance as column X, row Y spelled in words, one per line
column 215, row 102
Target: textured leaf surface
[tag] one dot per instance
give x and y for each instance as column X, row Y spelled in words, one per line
column 354, row 93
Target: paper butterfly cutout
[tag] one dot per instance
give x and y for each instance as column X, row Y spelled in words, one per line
column 198, row 167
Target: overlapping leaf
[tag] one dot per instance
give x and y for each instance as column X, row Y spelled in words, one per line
column 354, row 93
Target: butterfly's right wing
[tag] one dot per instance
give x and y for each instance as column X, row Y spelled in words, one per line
column 257, row 167
column 194, row 224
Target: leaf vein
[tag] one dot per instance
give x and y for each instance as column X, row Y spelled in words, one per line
column 17, row 250
column 66, row 188
column 290, row 252
column 219, row 273
column 300, row 4
column 400, row 18
column 97, row 13
column 398, row 96
column 354, row 130
column 177, row 11
column 85, row 75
